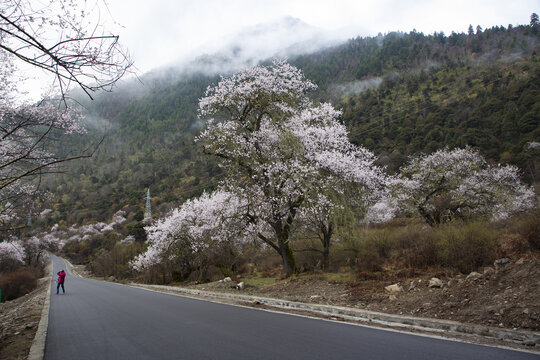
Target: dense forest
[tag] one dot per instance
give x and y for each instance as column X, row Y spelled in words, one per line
column 400, row 94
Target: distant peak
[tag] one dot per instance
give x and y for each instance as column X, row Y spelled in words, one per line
column 287, row 23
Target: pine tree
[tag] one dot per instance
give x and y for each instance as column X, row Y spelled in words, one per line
column 534, row 19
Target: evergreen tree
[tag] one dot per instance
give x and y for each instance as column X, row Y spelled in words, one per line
column 534, row 19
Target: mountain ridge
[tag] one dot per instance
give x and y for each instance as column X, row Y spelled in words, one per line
column 397, row 93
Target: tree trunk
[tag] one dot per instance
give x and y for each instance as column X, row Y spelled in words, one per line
column 289, row 263
column 327, row 231
column 283, row 232
column 326, row 258
column 283, row 248
column 427, row 216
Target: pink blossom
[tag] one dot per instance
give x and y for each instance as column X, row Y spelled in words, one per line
column 460, row 183
column 12, row 250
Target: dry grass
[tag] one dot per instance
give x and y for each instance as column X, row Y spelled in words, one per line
column 17, row 283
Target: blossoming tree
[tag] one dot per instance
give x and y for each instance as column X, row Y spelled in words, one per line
column 193, row 231
column 63, row 38
column 459, row 183
column 279, row 149
column 12, row 255
column 28, row 135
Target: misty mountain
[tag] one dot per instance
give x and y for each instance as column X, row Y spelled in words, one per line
column 401, row 93
column 284, row 38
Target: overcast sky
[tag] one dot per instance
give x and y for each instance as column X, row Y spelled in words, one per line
column 159, row 32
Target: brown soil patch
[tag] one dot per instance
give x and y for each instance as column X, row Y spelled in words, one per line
column 505, row 297
column 19, row 320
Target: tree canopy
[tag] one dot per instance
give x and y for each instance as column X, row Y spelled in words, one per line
column 279, row 151
column 81, row 52
column 64, row 39
column 459, row 184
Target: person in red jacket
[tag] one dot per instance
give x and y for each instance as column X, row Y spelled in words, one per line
column 61, row 278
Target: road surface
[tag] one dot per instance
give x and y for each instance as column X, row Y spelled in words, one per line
column 101, row 320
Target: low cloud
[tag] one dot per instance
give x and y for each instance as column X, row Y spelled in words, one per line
column 92, row 122
column 284, row 38
column 354, row 88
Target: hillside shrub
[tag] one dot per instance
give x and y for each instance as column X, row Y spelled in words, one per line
column 309, row 257
column 349, row 252
column 381, row 241
column 408, row 245
column 17, row 283
column 415, row 246
column 529, row 228
column 465, row 246
column 367, row 251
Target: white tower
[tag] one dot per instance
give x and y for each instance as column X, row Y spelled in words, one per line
column 148, row 208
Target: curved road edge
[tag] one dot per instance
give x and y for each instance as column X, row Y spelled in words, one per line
column 37, row 350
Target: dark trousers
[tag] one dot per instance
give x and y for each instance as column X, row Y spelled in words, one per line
column 58, row 288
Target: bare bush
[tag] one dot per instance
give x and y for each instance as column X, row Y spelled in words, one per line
column 415, row 246
column 467, row 246
column 17, row 283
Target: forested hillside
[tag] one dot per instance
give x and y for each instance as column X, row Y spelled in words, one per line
column 401, row 94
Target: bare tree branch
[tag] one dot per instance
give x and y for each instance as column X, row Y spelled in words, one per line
column 64, row 39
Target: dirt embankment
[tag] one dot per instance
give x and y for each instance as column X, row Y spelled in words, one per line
column 19, row 320
column 505, row 295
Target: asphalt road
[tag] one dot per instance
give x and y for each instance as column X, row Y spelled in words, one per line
column 100, row 320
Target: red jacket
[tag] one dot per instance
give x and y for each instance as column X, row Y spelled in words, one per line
column 61, row 276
